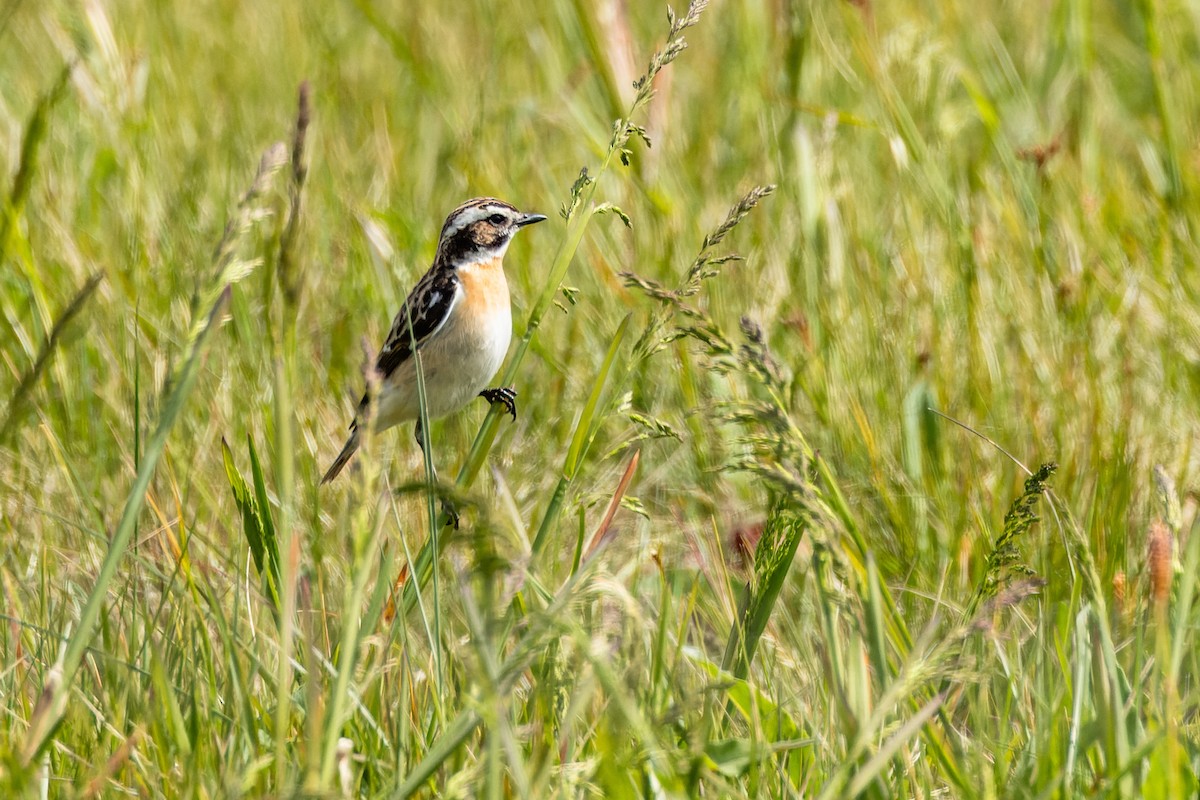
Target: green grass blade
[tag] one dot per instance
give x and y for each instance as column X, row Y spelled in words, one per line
column 585, row 429
column 773, row 561
column 450, row 740
column 242, row 497
column 270, row 541
column 585, row 433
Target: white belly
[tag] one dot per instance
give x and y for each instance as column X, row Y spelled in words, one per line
column 461, row 363
column 457, row 363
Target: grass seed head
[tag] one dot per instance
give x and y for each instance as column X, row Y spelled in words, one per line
column 1158, row 555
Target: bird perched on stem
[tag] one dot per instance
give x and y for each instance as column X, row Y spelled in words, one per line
column 460, row 319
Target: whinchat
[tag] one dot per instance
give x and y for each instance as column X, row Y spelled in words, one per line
column 460, row 319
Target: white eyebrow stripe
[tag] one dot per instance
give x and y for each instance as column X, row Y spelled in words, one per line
column 469, row 217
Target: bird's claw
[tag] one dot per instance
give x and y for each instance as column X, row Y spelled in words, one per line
column 504, row 395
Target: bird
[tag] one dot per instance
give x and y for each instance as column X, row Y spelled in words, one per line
column 458, row 317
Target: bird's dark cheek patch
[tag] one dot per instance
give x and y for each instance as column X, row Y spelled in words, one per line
column 488, row 237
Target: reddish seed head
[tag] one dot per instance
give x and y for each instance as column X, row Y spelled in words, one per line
column 1159, row 555
column 743, row 541
column 1119, row 587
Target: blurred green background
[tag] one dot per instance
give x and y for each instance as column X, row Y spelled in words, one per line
column 982, row 211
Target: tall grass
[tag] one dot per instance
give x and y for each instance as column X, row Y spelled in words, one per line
column 831, row 278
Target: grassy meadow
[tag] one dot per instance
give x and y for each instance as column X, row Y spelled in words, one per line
column 858, row 373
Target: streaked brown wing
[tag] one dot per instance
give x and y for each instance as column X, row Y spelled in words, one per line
column 430, row 303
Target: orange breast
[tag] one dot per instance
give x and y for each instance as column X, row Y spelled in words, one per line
column 485, row 289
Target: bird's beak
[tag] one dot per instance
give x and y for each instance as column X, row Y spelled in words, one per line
column 530, row 219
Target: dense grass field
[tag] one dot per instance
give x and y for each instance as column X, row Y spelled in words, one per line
column 859, row 388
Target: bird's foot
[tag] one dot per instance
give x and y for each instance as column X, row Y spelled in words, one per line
column 505, row 395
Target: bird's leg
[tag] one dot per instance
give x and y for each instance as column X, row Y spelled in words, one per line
column 505, row 395
column 447, row 507
column 419, row 435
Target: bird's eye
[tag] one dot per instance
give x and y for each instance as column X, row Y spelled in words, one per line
column 496, row 219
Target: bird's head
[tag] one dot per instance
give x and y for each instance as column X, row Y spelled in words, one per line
column 480, row 230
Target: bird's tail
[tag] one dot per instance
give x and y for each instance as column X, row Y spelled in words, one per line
column 343, row 457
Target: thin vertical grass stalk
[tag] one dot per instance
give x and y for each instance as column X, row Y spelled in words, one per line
column 434, row 523
column 1171, row 646
column 290, row 281
column 287, row 572
column 57, row 686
